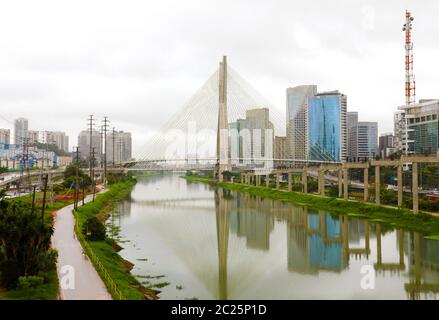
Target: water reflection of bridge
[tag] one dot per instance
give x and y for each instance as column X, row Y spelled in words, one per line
column 316, row 242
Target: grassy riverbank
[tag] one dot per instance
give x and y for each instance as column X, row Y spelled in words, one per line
column 114, row 270
column 49, row 289
column 398, row 218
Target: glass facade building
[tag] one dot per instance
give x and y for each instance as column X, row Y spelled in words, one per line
column 297, row 104
column 422, row 126
column 327, row 127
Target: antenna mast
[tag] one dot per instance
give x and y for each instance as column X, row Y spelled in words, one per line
column 410, row 85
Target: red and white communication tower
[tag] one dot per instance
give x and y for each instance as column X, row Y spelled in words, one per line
column 410, row 85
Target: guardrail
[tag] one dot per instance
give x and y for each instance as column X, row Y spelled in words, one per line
column 109, row 282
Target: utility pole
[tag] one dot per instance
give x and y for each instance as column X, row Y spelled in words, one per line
column 93, row 178
column 33, row 199
column 27, row 164
column 120, row 151
column 105, row 127
column 75, row 201
column 90, row 127
column 46, row 178
column 83, row 191
column 114, row 137
column 101, row 146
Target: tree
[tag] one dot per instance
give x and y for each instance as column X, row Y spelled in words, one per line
column 70, row 177
column 25, row 244
column 93, row 229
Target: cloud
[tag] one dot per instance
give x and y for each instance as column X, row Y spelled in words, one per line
column 138, row 62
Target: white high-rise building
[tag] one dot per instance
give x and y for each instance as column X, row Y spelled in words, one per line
column 297, row 111
column 57, row 138
column 84, row 144
column 367, row 140
column 122, row 142
column 416, row 127
column 21, row 127
column 5, row 136
column 249, row 136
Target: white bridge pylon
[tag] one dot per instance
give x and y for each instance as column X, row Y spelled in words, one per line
column 192, row 133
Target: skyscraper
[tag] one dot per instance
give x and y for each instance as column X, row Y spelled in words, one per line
column 367, row 140
column 21, row 127
column 33, row 136
column 280, row 147
column 352, row 138
column 327, row 132
column 422, row 134
column 386, row 144
column 249, row 136
column 296, row 131
column 122, row 147
column 84, row 144
column 5, row 136
column 258, row 120
column 57, row 138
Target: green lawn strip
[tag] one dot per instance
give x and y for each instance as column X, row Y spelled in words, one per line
column 398, row 218
column 112, row 262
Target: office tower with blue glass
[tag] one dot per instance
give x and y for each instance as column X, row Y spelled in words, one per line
column 327, row 127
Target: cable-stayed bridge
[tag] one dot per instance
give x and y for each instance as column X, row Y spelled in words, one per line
column 199, row 135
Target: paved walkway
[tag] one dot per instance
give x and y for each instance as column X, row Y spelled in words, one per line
column 73, row 264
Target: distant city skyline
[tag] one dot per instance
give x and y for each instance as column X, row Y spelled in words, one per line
column 139, row 64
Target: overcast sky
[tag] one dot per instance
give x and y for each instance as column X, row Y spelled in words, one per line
column 138, row 61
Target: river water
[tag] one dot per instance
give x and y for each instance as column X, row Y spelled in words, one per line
column 201, row 242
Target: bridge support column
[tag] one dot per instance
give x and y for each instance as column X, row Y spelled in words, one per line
column 305, row 181
column 400, row 185
column 267, row 180
column 366, row 184
column 277, row 180
column 321, row 182
column 242, row 178
column 377, row 185
column 340, row 183
column 345, row 184
column 415, row 187
column 258, row 180
column 290, row 176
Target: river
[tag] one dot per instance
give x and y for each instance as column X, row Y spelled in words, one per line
column 211, row 243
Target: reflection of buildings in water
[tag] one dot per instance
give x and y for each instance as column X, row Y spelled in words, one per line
column 382, row 267
column 314, row 242
column 423, row 258
column 249, row 219
column 356, row 229
column 318, row 241
column 124, row 208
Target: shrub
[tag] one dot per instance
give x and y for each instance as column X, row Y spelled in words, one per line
column 59, row 188
column 93, row 229
column 29, row 282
